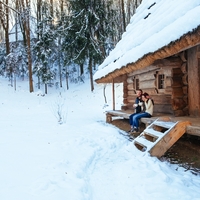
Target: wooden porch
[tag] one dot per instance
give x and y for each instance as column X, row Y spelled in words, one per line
column 193, row 129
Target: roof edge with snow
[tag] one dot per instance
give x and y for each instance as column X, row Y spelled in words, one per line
column 187, row 41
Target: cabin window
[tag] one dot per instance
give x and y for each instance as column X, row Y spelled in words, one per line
column 137, row 87
column 136, row 84
column 161, row 81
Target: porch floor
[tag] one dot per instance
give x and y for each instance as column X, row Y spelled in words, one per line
column 193, row 129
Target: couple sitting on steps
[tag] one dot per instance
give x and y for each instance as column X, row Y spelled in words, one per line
column 143, row 108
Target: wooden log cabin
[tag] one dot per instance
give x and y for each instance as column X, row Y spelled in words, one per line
column 164, row 61
column 166, row 80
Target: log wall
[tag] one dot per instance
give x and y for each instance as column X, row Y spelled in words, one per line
column 172, row 99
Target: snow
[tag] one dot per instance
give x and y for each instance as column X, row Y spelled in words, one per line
column 83, row 158
column 167, row 22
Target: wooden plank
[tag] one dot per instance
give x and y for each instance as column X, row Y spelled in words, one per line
column 168, row 81
column 148, row 84
column 193, row 130
column 185, row 98
column 193, row 82
column 185, row 79
column 176, row 71
column 167, row 71
column 153, row 133
column 131, row 93
column 184, row 68
column 178, row 113
column 178, row 104
column 116, row 113
column 120, row 79
column 185, row 90
column 168, row 90
column 177, row 92
column 177, row 81
column 161, row 99
column 113, row 94
column 147, row 76
column 169, row 139
column 163, row 108
column 150, row 91
column 183, row 56
column 169, row 62
column 131, row 99
column 144, row 70
column 130, row 80
column 130, row 86
column 108, row 118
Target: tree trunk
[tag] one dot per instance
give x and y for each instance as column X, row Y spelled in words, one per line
column 38, row 82
column 6, row 28
column 67, row 82
column 45, row 85
column 123, row 16
column 91, row 74
column 51, row 9
column 29, row 58
column 81, row 69
column 27, row 31
column 59, row 63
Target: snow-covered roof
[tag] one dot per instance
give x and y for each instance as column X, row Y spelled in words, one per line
column 12, row 33
column 155, row 25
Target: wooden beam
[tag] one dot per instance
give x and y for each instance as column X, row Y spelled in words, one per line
column 193, row 82
column 113, row 93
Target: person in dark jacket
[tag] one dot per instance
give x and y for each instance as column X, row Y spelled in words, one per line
column 148, row 112
column 138, row 105
column 138, row 101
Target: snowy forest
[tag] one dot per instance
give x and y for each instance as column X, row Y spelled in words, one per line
column 55, row 42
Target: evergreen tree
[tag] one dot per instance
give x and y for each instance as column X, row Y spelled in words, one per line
column 45, row 49
column 60, row 30
column 2, row 60
column 89, row 28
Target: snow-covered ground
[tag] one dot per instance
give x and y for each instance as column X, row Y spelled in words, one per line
column 81, row 159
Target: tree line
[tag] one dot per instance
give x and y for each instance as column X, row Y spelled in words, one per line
column 60, row 38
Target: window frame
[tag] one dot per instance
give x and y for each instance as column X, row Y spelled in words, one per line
column 136, row 83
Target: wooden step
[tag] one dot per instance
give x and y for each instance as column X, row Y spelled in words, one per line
column 167, row 125
column 159, row 136
column 169, row 139
column 153, row 133
column 142, row 144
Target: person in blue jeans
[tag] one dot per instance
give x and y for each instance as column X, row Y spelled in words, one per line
column 134, row 120
column 138, row 105
column 138, row 101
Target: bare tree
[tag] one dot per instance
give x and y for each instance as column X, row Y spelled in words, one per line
column 24, row 15
column 123, row 15
column 4, row 18
column 26, row 23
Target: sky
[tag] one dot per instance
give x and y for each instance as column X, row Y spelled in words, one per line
column 167, row 21
column 82, row 157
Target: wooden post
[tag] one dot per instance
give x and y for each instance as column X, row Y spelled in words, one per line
column 113, row 93
column 194, row 81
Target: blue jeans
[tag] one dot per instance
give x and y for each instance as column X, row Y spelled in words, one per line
column 134, row 118
column 131, row 118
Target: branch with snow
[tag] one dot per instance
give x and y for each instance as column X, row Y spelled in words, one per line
column 59, row 109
